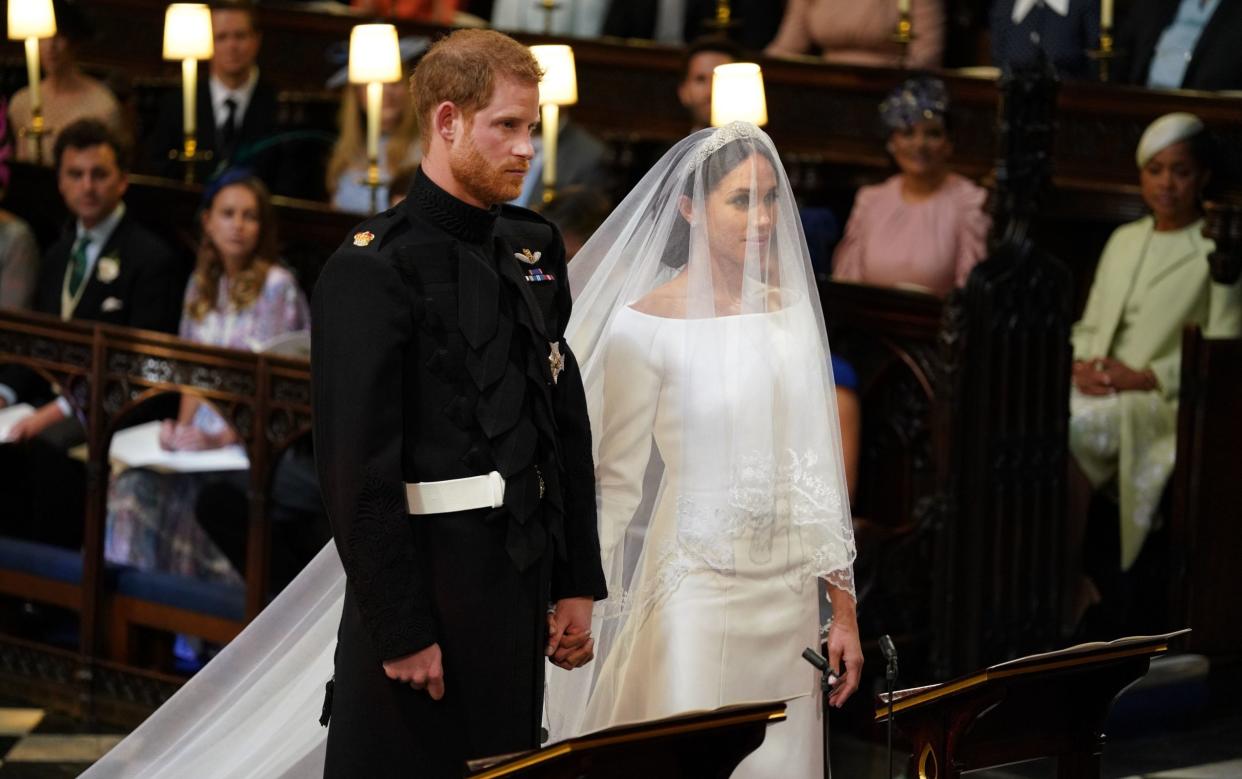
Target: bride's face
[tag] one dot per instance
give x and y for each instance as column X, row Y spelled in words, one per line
column 741, row 211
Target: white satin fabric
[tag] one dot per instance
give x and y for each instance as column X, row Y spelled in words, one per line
column 720, row 487
column 253, row 711
column 705, row 635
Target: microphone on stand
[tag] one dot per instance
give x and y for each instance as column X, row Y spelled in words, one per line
column 890, row 678
column 825, row 684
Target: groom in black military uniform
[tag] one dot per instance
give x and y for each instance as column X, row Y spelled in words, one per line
column 452, row 441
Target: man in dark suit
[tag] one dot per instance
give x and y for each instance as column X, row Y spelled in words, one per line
column 454, row 450
column 236, row 109
column 106, row 268
column 1187, row 44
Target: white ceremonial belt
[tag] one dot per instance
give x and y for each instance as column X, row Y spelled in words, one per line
column 445, row 497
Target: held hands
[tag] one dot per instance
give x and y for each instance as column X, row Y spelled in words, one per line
column 421, row 670
column 570, row 644
column 843, row 644
column 1106, row 376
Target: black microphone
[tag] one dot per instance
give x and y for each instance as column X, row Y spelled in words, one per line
column 890, row 675
column 827, row 675
column 890, row 655
column 815, row 659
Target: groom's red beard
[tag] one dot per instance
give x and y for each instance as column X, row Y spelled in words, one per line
column 488, row 183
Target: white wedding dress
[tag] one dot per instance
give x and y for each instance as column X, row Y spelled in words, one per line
column 722, row 610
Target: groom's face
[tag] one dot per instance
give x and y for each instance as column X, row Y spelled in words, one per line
column 491, row 154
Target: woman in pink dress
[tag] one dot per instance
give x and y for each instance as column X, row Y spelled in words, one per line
column 860, row 32
column 925, row 227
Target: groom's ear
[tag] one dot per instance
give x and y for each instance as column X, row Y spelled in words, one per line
column 446, row 121
column 686, row 208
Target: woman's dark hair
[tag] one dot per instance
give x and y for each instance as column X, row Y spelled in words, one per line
column 721, row 163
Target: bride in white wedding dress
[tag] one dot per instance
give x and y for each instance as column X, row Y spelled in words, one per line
column 721, row 490
column 720, row 485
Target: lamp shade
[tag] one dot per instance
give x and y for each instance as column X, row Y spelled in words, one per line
column 560, row 78
column 187, row 32
column 737, row 94
column 31, row 19
column 374, row 54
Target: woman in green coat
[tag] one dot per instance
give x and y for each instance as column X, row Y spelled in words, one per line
column 1152, row 281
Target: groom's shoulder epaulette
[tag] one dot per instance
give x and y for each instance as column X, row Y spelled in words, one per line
column 525, row 227
column 372, row 234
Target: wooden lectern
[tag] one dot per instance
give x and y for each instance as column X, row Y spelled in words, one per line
column 702, row 745
column 1049, row 705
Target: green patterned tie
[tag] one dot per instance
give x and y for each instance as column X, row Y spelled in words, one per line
column 77, row 271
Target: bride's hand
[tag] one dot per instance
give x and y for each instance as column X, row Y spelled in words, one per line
column 843, row 645
column 570, row 644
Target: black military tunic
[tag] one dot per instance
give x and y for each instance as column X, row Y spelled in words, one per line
column 432, row 328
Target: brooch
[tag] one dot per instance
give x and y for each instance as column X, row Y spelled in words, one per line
column 556, row 360
column 364, row 238
column 109, row 268
column 528, row 257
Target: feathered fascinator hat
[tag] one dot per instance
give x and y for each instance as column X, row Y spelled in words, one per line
column 918, row 99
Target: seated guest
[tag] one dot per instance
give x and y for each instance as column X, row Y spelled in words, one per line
column 239, row 297
column 19, row 262
column 1186, row 44
column 577, row 212
column 694, row 91
column 925, row 227
column 398, row 143
column 854, row 33
column 1152, row 281
column 697, row 67
column 107, row 268
column 680, row 21
column 1064, row 30
column 236, row 110
column 582, row 18
column 68, row 94
column 19, row 253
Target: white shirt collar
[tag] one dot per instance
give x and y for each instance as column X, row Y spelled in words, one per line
column 241, row 95
column 1023, row 7
column 101, row 232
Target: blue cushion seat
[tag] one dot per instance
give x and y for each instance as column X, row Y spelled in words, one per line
column 226, row 601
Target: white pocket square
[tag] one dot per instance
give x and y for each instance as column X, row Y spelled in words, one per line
column 112, row 304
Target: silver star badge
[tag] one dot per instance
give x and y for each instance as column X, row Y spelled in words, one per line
column 556, row 360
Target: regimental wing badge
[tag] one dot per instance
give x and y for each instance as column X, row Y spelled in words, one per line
column 528, row 257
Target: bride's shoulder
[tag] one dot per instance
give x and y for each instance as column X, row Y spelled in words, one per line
column 667, row 300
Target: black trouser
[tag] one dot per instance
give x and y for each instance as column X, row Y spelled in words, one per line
column 491, row 620
column 43, row 489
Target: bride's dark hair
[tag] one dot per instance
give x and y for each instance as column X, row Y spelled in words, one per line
column 719, row 164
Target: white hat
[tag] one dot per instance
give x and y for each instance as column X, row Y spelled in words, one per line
column 1164, row 132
